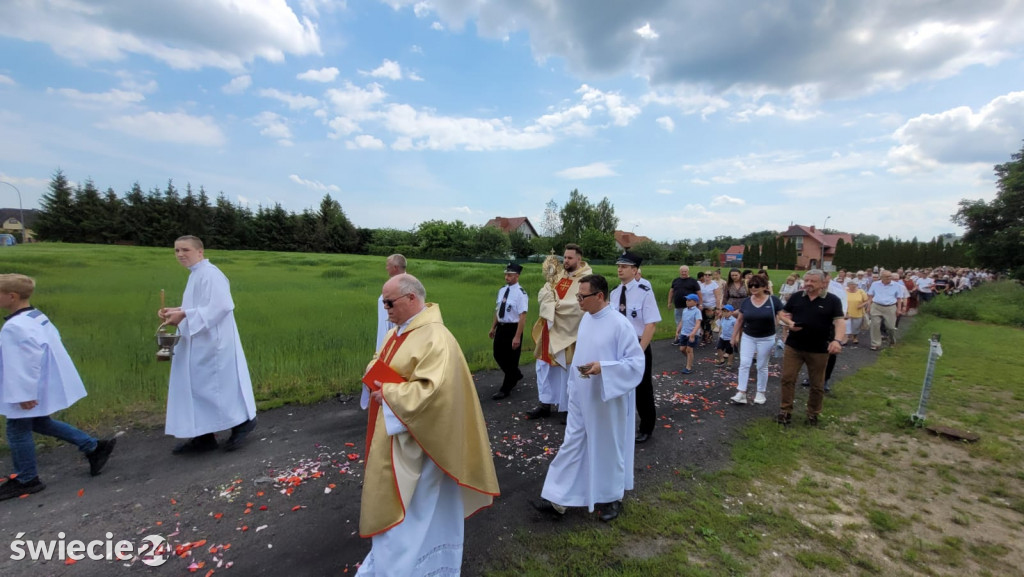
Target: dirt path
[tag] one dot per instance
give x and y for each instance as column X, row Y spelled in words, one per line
column 288, row 503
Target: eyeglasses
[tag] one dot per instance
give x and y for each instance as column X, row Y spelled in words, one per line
column 581, row 298
column 390, row 303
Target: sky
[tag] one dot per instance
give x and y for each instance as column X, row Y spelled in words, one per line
column 695, row 119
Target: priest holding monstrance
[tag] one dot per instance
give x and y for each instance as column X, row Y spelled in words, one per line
column 428, row 458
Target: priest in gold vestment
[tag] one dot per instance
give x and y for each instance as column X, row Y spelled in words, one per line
column 554, row 333
column 428, row 462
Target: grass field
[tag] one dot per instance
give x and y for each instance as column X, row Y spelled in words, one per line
column 307, row 321
column 867, row 493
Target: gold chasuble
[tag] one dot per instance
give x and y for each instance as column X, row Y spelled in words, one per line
column 558, row 304
column 438, row 404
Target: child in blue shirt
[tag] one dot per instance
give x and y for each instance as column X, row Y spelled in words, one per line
column 723, row 352
column 689, row 331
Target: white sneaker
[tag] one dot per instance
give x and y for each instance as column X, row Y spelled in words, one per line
column 739, row 398
column 759, row 399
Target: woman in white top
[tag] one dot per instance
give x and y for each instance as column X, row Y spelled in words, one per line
column 710, row 302
column 792, row 285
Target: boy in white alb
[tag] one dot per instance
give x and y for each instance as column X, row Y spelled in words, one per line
column 37, row 379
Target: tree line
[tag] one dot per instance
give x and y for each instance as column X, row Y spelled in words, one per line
column 81, row 213
column 995, row 230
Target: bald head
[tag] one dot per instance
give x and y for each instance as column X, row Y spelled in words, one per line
column 404, row 297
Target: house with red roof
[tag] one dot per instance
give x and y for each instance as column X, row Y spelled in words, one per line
column 734, row 254
column 814, row 249
column 507, row 225
column 626, row 240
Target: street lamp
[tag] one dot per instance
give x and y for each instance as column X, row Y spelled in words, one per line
column 822, row 262
column 24, row 228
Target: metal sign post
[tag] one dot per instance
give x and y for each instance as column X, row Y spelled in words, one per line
column 934, row 352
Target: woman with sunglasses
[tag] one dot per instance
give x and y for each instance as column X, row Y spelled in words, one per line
column 755, row 333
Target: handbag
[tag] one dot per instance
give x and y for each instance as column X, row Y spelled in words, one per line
column 778, row 348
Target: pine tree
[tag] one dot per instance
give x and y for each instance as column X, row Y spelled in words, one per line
column 57, row 220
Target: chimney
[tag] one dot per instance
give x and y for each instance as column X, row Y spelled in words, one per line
column 812, row 228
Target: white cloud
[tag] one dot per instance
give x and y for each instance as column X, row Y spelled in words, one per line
column 364, row 142
column 573, row 116
column 355, row 102
column 646, row 32
column 727, row 200
column 663, row 191
column 174, row 127
column 783, row 166
column 238, row 84
column 321, row 75
column 273, row 126
column 294, row 101
column 388, row 69
column 424, row 130
column 689, row 100
column 131, row 82
column 111, row 99
column 312, row 7
column 960, row 136
column 7, row 80
column 461, row 209
column 313, row 184
column 593, row 170
column 437, row 26
column 185, row 35
column 613, row 103
column 342, row 126
column 667, row 123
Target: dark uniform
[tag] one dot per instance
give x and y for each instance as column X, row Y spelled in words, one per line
column 509, row 318
column 635, row 300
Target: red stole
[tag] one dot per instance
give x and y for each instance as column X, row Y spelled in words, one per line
column 381, row 371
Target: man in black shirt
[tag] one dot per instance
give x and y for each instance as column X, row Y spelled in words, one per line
column 816, row 330
column 682, row 286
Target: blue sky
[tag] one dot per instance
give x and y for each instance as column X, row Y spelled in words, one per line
column 695, row 119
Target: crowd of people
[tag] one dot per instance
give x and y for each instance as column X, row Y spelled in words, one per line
column 593, row 361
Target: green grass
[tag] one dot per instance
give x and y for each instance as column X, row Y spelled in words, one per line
column 768, row 512
column 307, row 321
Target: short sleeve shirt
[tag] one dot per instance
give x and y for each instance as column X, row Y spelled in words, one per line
column 886, row 294
column 641, row 307
column 682, row 287
column 516, row 303
column 758, row 321
column 707, row 294
column 691, row 318
column 816, row 318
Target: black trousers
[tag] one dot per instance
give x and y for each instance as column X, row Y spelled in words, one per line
column 507, row 357
column 645, row 397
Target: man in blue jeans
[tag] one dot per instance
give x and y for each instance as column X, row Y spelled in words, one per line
column 37, row 379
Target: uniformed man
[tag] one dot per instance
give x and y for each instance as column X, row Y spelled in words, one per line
column 640, row 278
column 636, row 302
column 507, row 329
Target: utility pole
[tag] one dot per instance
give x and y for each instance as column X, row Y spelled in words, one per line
column 24, row 227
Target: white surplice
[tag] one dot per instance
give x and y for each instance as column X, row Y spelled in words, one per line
column 595, row 462
column 210, row 387
column 34, row 366
column 383, row 324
